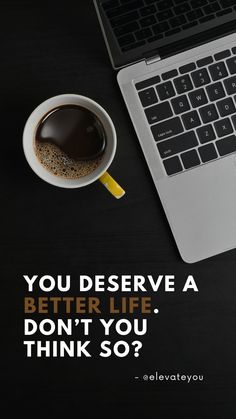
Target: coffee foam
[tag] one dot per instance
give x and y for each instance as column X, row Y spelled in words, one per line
column 58, row 163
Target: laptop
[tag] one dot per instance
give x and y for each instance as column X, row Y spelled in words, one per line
column 177, row 74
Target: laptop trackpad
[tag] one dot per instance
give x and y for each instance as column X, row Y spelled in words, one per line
column 201, row 208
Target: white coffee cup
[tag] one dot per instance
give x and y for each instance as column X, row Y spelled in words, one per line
column 110, row 150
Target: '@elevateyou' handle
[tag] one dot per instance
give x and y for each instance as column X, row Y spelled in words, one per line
column 112, row 186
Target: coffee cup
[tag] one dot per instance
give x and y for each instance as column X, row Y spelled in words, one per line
column 100, row 172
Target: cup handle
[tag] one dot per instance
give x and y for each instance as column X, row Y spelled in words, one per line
column 112, row 186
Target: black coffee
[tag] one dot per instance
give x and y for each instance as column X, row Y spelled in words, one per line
column 70, row 141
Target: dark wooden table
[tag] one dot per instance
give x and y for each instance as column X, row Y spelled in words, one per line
column 54, row 47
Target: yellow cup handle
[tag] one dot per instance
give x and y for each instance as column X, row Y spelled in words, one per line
column 112, row 186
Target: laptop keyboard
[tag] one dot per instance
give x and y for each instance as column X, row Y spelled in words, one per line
column 191, row 111
column 139, row 22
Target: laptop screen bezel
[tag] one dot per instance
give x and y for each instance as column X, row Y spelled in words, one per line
column 186, row 39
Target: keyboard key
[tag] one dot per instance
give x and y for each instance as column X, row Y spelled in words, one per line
column 180, row 104
column 234, row 121
column 147, row 21
column 178, row 144
column 208, row 113
column 223, row 12
column 148, row 97
column 195, row 14
column 204, row 61
column 230, row 85
column 143, row 33
column 173, row 32
column 200, row 77
column 160, row 27
column 206, row 18
column 165, row 15
column 198, row 98
column 183, row 84
column 226, row 107
column 218, row 71
column 148, row 10
column 215, row 91
column 167, row 129
column 165, row 4
column 182, row 8
column 227, row 3
column 122, row 20
column 124, row 8
column 187, row 68
column 127, row 39
column 206, row 134
column 226, row 145
column 177, row 21
column 172, row 165
column 207, row 152
column 159, row 112
column 165, row 90
column 211, row 8
column 190, row 159
column 110, row 4
column 191, row 120
column 221, row 55
column 123, row 30
column 234, row 50
column 198, row 3
column 146, row 83
column 231, row 63
column 169, row 74
column 223, row 127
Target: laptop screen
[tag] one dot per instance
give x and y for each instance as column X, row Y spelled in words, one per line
column 138, row 29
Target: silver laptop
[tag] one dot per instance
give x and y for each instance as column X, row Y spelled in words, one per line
column 177, row 62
